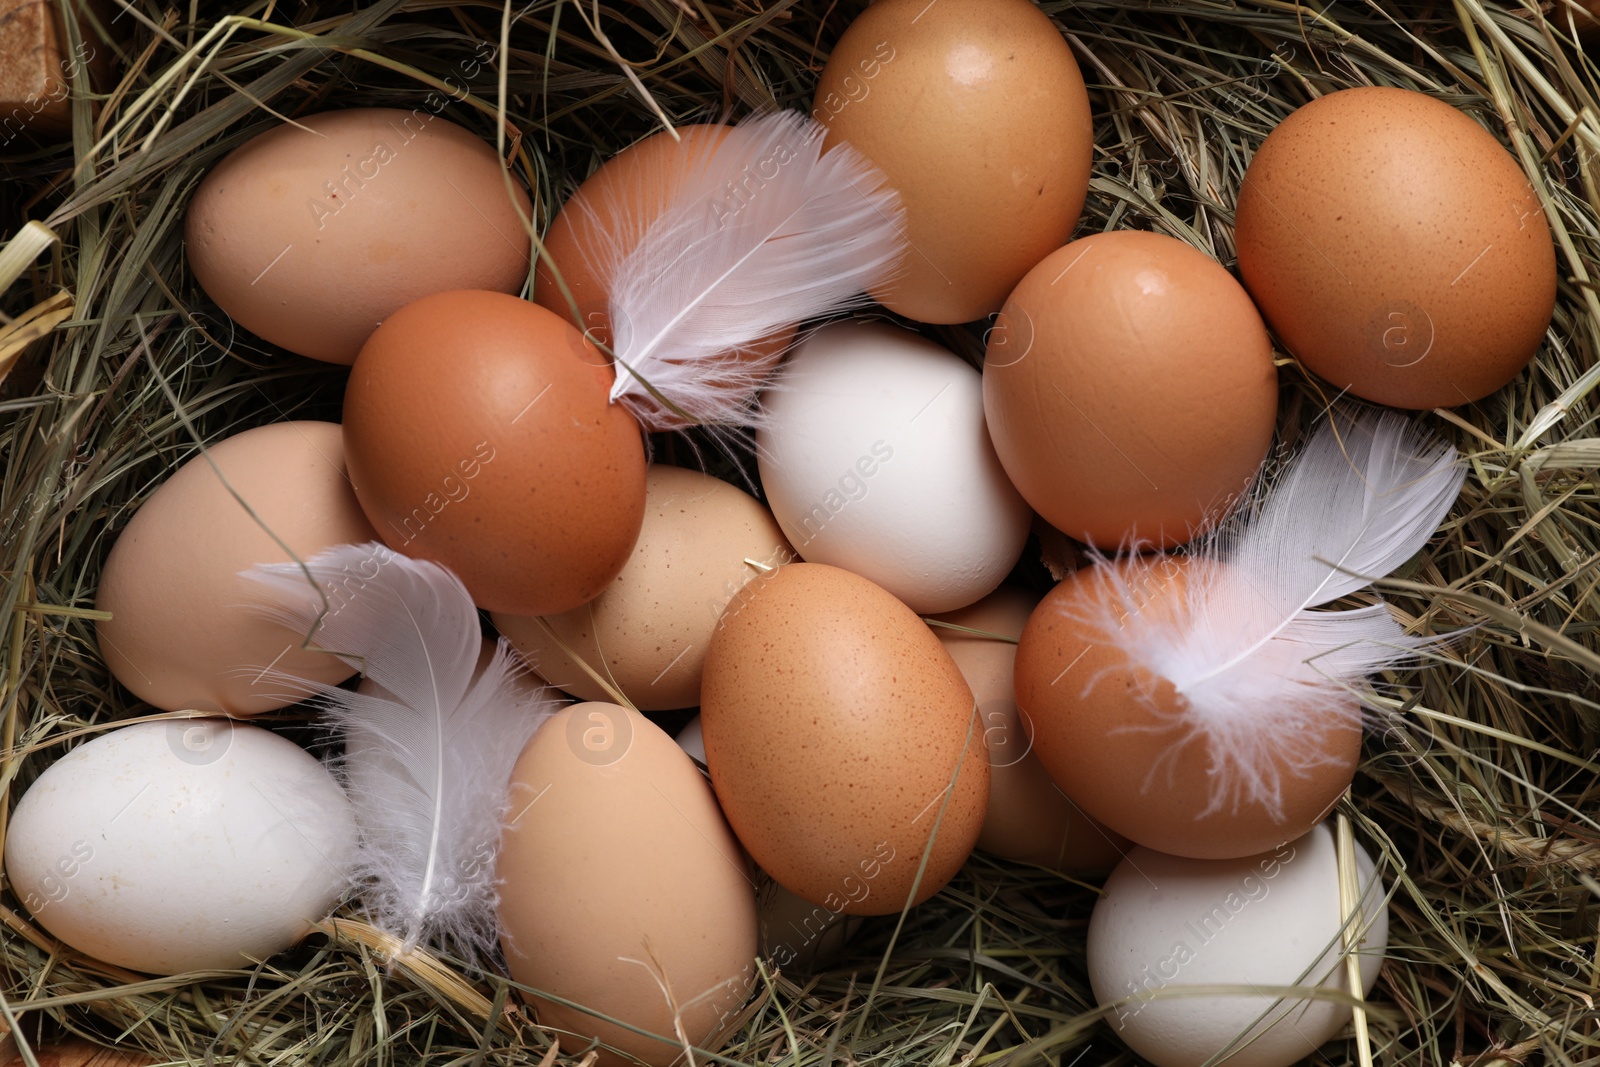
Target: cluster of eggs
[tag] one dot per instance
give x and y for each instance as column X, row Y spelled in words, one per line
column 849, row 643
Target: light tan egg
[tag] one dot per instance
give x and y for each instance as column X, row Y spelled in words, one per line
column 622, row 884
column 648, row 631
column 312, row 233
column 841, row 741
column 1030, row 819
column 183, row 633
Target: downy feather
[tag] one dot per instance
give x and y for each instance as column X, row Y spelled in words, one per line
column 1260, row 675
column 763, row 232
column 428, row 748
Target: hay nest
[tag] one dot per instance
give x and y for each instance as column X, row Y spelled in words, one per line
column 1479, row 794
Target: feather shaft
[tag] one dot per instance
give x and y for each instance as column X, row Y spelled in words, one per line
column 763, row 231
column 429, row 738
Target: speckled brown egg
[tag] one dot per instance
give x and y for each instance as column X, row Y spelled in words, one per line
column 608, row 216
column 1115, row 737
column 619, row 876
column 480, row 436
column 977, row 113
column 1029, row 819
column 183, row 634
column 312, row 233
column 648, row 631
column 841, row 738
column 1129, row 389
column 1396, row 248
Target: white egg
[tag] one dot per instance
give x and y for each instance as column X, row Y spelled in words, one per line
column 875, row 458
column 1165, row 923
column 692, row 741
column 178, row 845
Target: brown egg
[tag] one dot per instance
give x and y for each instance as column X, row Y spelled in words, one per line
column 312, row 233
column 182, row 633
column 1116, row 739
column 977, row 113
column 606, row 219
column 480, row 436
column 1396, row 248
column 647, row 633
column 835, row 725
column 1129, row 389
column 621, row 877
column 1029, row 819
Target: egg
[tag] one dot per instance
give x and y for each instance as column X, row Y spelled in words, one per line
column 312, row 233
column 183, row 634
column 1129, row 389
column 621, row 887
column 181, row 845
column 1116, row 738
column 841, row 741
column 873, row 456
column 647, row 631
column 976, row 112
column 797, row 935
column 480, row 436
column 692, row 741
column 1029, row 818
column 1165, row 924
column 608, row 216
column 1396, row 248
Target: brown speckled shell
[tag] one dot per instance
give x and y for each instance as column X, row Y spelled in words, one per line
column 648, row 630
column 478, row 434
column 976, row 112
column 834, row 722
column 1129, row 389
column 1396, row 248
column 1113, row 752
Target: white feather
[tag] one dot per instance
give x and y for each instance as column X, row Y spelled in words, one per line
column 1260, row 676
column 763, row 232
column 428, row 748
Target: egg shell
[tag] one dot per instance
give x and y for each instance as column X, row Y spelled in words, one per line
column 1129, row 389
column 607, row 217
column 1115, row 738
column 616, row 863
column 976, row 112
column 181, row 845
column 797, row 935
column 183, row 634
column 1272, row 919
column 1029, row 818
column 1396, row 248
column 873, row 456
column 840, row 736
column 480, row 435
column 312, row 233
column 692, row 741
column 647, row 632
